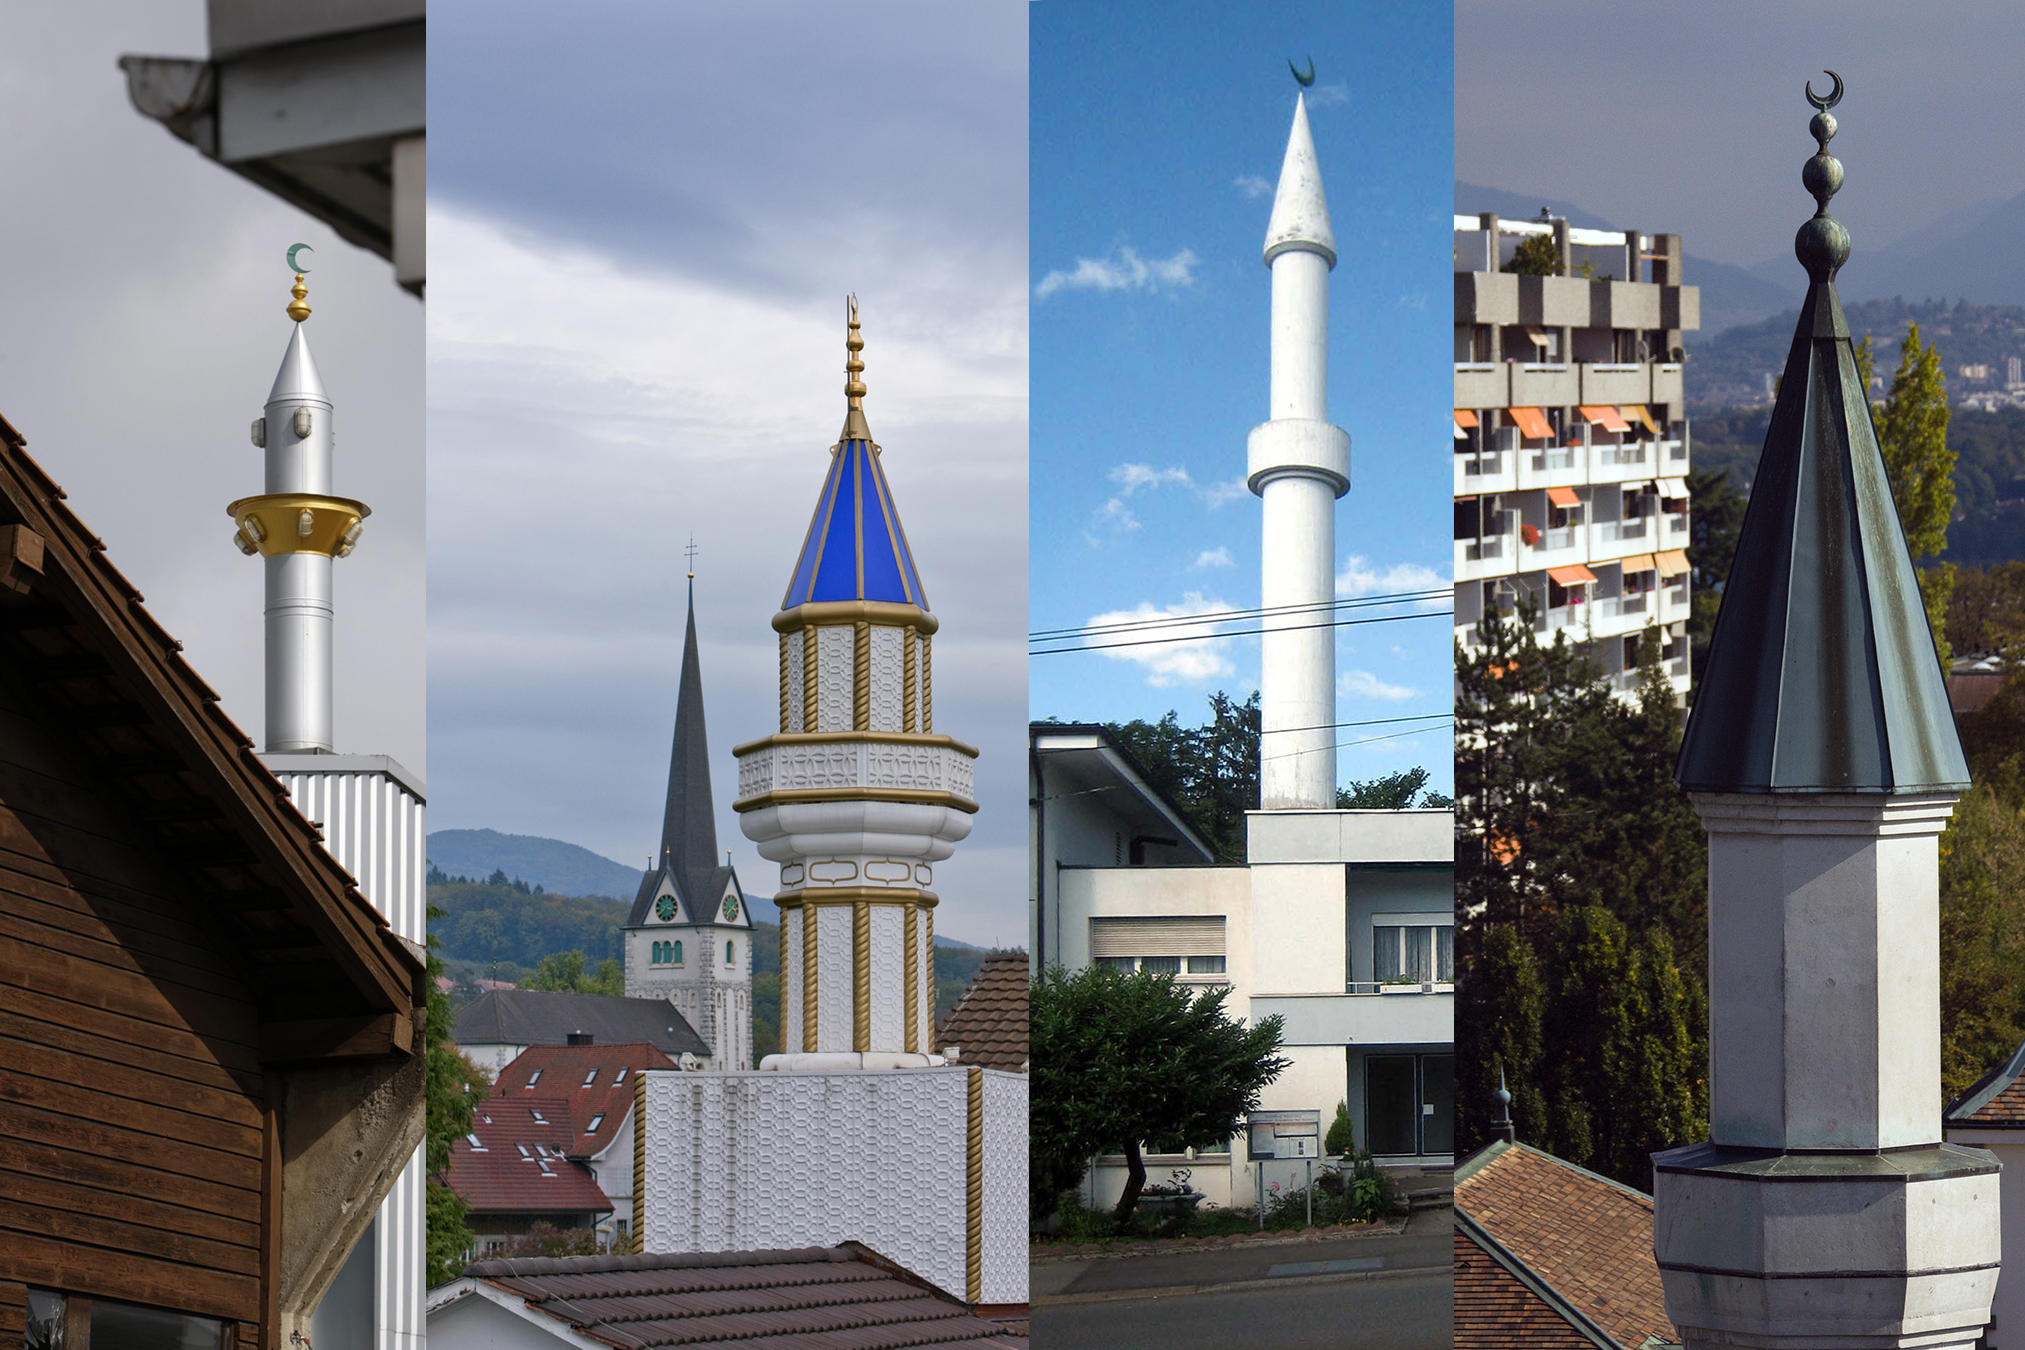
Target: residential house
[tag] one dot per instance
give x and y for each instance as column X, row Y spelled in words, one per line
column 497, row 1026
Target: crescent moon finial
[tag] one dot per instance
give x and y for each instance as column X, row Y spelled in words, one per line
column 1833, row 97
column 294, row 249
column 1303, row 80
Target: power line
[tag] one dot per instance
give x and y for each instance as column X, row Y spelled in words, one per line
column 1233, row 615
column 1239, row 632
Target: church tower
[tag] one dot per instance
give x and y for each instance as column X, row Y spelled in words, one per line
column 689, row 939
column 856, row 797
column 1298, row 464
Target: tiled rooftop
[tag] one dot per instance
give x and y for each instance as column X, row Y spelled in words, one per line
column 817, row 1298
column 519, row 1164
column 1996, row 1100
column 989, row 1023
column 1494, row 1309
column 596, row 1080
column 1585, row 1238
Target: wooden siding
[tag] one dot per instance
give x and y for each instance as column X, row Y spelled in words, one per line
column 133, row 1125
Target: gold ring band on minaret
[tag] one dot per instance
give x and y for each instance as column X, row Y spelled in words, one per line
column 278, row 522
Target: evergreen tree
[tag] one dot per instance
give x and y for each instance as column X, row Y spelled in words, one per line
column 1982, row 937
column 1537, row 255
column 1502, row 1003
column 1715, row 518
column 1912, row 431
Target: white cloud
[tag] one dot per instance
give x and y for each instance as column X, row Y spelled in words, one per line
column 1361, row 577
column 1124, row 270
column 1253, row 186
column 1133, row 477
column 1363, row 684
column 1212, row 557
column 1330, row 95
column 1111, row 520
column 1196, row 657
column 1224, row 493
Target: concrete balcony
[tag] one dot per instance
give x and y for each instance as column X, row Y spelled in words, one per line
column 1673, row 603
column 1666, row 385
column 1572, row 618
column 1624, row 463
column 1680, row 307
column 1558, row 548
column 1545, row 386
column 1486, row 297
column 1545, row 466
column 1621, row 615
column 1482, row 384
column 1491, row 555
column 1555, row 302
column 1615, row 383
column 1624, row 304
column 1486, row 471
column 1417, row 1015
column 1673, row 530
column 1610, row 540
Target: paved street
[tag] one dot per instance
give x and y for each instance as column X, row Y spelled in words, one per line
column 1376, row 1293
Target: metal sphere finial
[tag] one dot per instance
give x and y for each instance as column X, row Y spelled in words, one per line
column 854, row 365
column 1822, row 245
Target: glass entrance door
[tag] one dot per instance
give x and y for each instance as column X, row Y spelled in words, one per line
column 1391, row 1103
column 1437, row 1103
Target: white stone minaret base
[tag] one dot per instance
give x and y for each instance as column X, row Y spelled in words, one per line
column 1825, row 1211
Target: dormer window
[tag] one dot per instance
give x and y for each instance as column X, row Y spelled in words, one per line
column 523, row 1150
column 596, row 1121
column 472, row 1140
column 620, row 1078
column 534, row 1078
column 590, row 1077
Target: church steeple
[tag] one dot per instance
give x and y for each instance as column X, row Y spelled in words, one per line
column 688, row 824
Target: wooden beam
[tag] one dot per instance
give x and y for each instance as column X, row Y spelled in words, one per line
column 20, row 557
column 322, row 1038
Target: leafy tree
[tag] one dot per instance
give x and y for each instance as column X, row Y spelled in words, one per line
column 1393, row 792
column 1123, row 1061
column 566, row 972
column 1982, row 937
column 1715, row 518
column 1211, row 772
column 453, row 1086
column 1502, row 1000
column 1993, row 738
column 1986, row 611
column 1536, row 256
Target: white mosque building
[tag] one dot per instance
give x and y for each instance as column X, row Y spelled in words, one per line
column 856, row 1132
column 1339, row 922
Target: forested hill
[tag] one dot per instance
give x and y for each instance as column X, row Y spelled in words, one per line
column 551, row 864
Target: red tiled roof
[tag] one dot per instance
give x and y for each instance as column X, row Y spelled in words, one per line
column 1494, row 1308
column 560, row 1070
column 989, row 1023
column 519, row 1165
column 1996, row 1100
column 844, row 1296
column 1584, row 1238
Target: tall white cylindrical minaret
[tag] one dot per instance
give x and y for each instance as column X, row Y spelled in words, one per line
column 1299, row 465
column 298, row 528
column 857, row 797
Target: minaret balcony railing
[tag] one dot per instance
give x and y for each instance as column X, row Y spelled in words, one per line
column 831, row 766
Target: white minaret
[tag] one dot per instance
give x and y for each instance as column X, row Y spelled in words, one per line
column 856, row 797
column 1299, row 465
column 1825, row 1210
column 369, row 807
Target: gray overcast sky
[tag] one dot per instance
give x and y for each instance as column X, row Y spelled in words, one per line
column 144, row 294
column 643, row 222
column 1689, row 118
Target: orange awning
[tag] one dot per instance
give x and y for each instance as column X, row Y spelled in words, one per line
column 1675, row 488
column 1574, row 574
column 1638, row 562
column 1638, row 410
column 1561, row 496
column 1606, row 417
column 1465, row 418
column 1531, row 422
column 1673, row 562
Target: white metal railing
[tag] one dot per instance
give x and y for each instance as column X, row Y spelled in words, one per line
column 1399, row 987
column 1554, row 457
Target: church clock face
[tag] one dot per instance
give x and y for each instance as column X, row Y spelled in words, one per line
column 730, row 906
column 665, row 907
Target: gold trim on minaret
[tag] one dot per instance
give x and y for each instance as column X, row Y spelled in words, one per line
column 913, row 978
column 855, row 428
column 784, row 728
column 861, row 677
column 639, row 1238
column 910, row 665
column 278, row 523
column 809, row 1023
column 927, row 687
column 782, row 950
column 973, row 1192
column 809, row 690
column 861, row 976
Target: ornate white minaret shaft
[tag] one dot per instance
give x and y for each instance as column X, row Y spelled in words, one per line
column 857, row 798
column 298, row 527
column 1299, row 465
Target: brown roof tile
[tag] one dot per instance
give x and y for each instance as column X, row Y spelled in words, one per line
column 561, row 1071
column 817, row 1298
column 1495, row 1310
column 1586, row 1238
column 989, row 1023
column 1996, row 1100
column 519, row 1164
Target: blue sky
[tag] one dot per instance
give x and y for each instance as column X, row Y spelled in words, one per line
column 643, row 222
column 1156, row 136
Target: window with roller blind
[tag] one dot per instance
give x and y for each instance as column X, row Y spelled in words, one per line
column 1183, row 946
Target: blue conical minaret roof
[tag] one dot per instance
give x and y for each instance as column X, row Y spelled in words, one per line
column 856, row 548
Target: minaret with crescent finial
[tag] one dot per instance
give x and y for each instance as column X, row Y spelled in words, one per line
column 857, row 797
column 1298, row 464
column 297, row 527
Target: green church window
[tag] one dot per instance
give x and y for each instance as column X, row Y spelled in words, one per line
column 675, row 953
column 727, row 955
